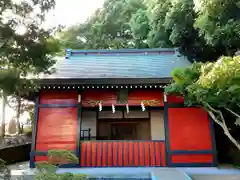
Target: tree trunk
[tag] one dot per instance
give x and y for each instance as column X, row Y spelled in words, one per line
column 19, row 130
column 3, row 119
column 225, row 129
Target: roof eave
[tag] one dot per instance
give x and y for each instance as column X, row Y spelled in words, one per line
column 105, row 81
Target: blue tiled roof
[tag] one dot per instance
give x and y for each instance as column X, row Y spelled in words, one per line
column 141, row 63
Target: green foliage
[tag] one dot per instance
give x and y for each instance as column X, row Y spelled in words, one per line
column 219, row 23
column 79, row 177
column 45, row 166
column 26, row 52
column 140, row 27
column 64, row 154
column 47, row 171
column 47, row 176
column 70, row 176
column 217, row 83
column 26, row 49
column 158, row 36
column 212, row 86
column 160, row 23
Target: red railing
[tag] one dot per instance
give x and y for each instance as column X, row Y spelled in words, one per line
column 126, row 153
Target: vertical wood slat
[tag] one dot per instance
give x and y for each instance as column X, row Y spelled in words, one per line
column 94, row 154
column 89, row 153
column 99, row 154
column 82, row 159
column 163, row 154
column 146, row 153
column 131, row 154
column 157, row 152
column 152, row 154
column 110, row 154
column 104, row 154
column 115, row 158
column 122, row 154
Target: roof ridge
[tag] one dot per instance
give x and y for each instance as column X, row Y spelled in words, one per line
column 70, row 52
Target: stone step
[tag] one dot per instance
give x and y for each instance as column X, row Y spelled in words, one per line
column 215, row 177
column 169, row 174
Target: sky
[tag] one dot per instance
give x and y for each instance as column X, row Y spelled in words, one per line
column 67, row 13
column 70, row 12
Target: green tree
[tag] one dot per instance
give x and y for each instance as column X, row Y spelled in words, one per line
column 139, row 24
column 26, row 47
column 161, row 23
column 158, row 36
column 108, row 28
column 179, row 22
column 219, row 22
column 214, row 87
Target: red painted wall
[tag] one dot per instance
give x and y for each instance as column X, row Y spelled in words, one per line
column 192, row 158
column 56, row 127
column 175, row 99
column 189, row 129
column 58, row 97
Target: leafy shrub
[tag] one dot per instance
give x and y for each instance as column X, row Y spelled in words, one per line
column 80, row 176
column 64, row 155
column 45, row 166
column 47, row 170
column 47, row 176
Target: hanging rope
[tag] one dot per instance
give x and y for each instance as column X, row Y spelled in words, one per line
column 143, row 107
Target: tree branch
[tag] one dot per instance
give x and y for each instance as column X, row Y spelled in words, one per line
column 225, row 128
column 211, row 108
column 215, row 119
column 216, row 111
column 222, row 123
column 235, row 114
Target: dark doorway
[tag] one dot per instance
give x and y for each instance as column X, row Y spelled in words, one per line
column 124, row 131
column 133, row 129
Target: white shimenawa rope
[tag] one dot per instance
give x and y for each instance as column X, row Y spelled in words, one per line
column 127, row 108
column 113, row 108
column 100, row 106
column 143, row 107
